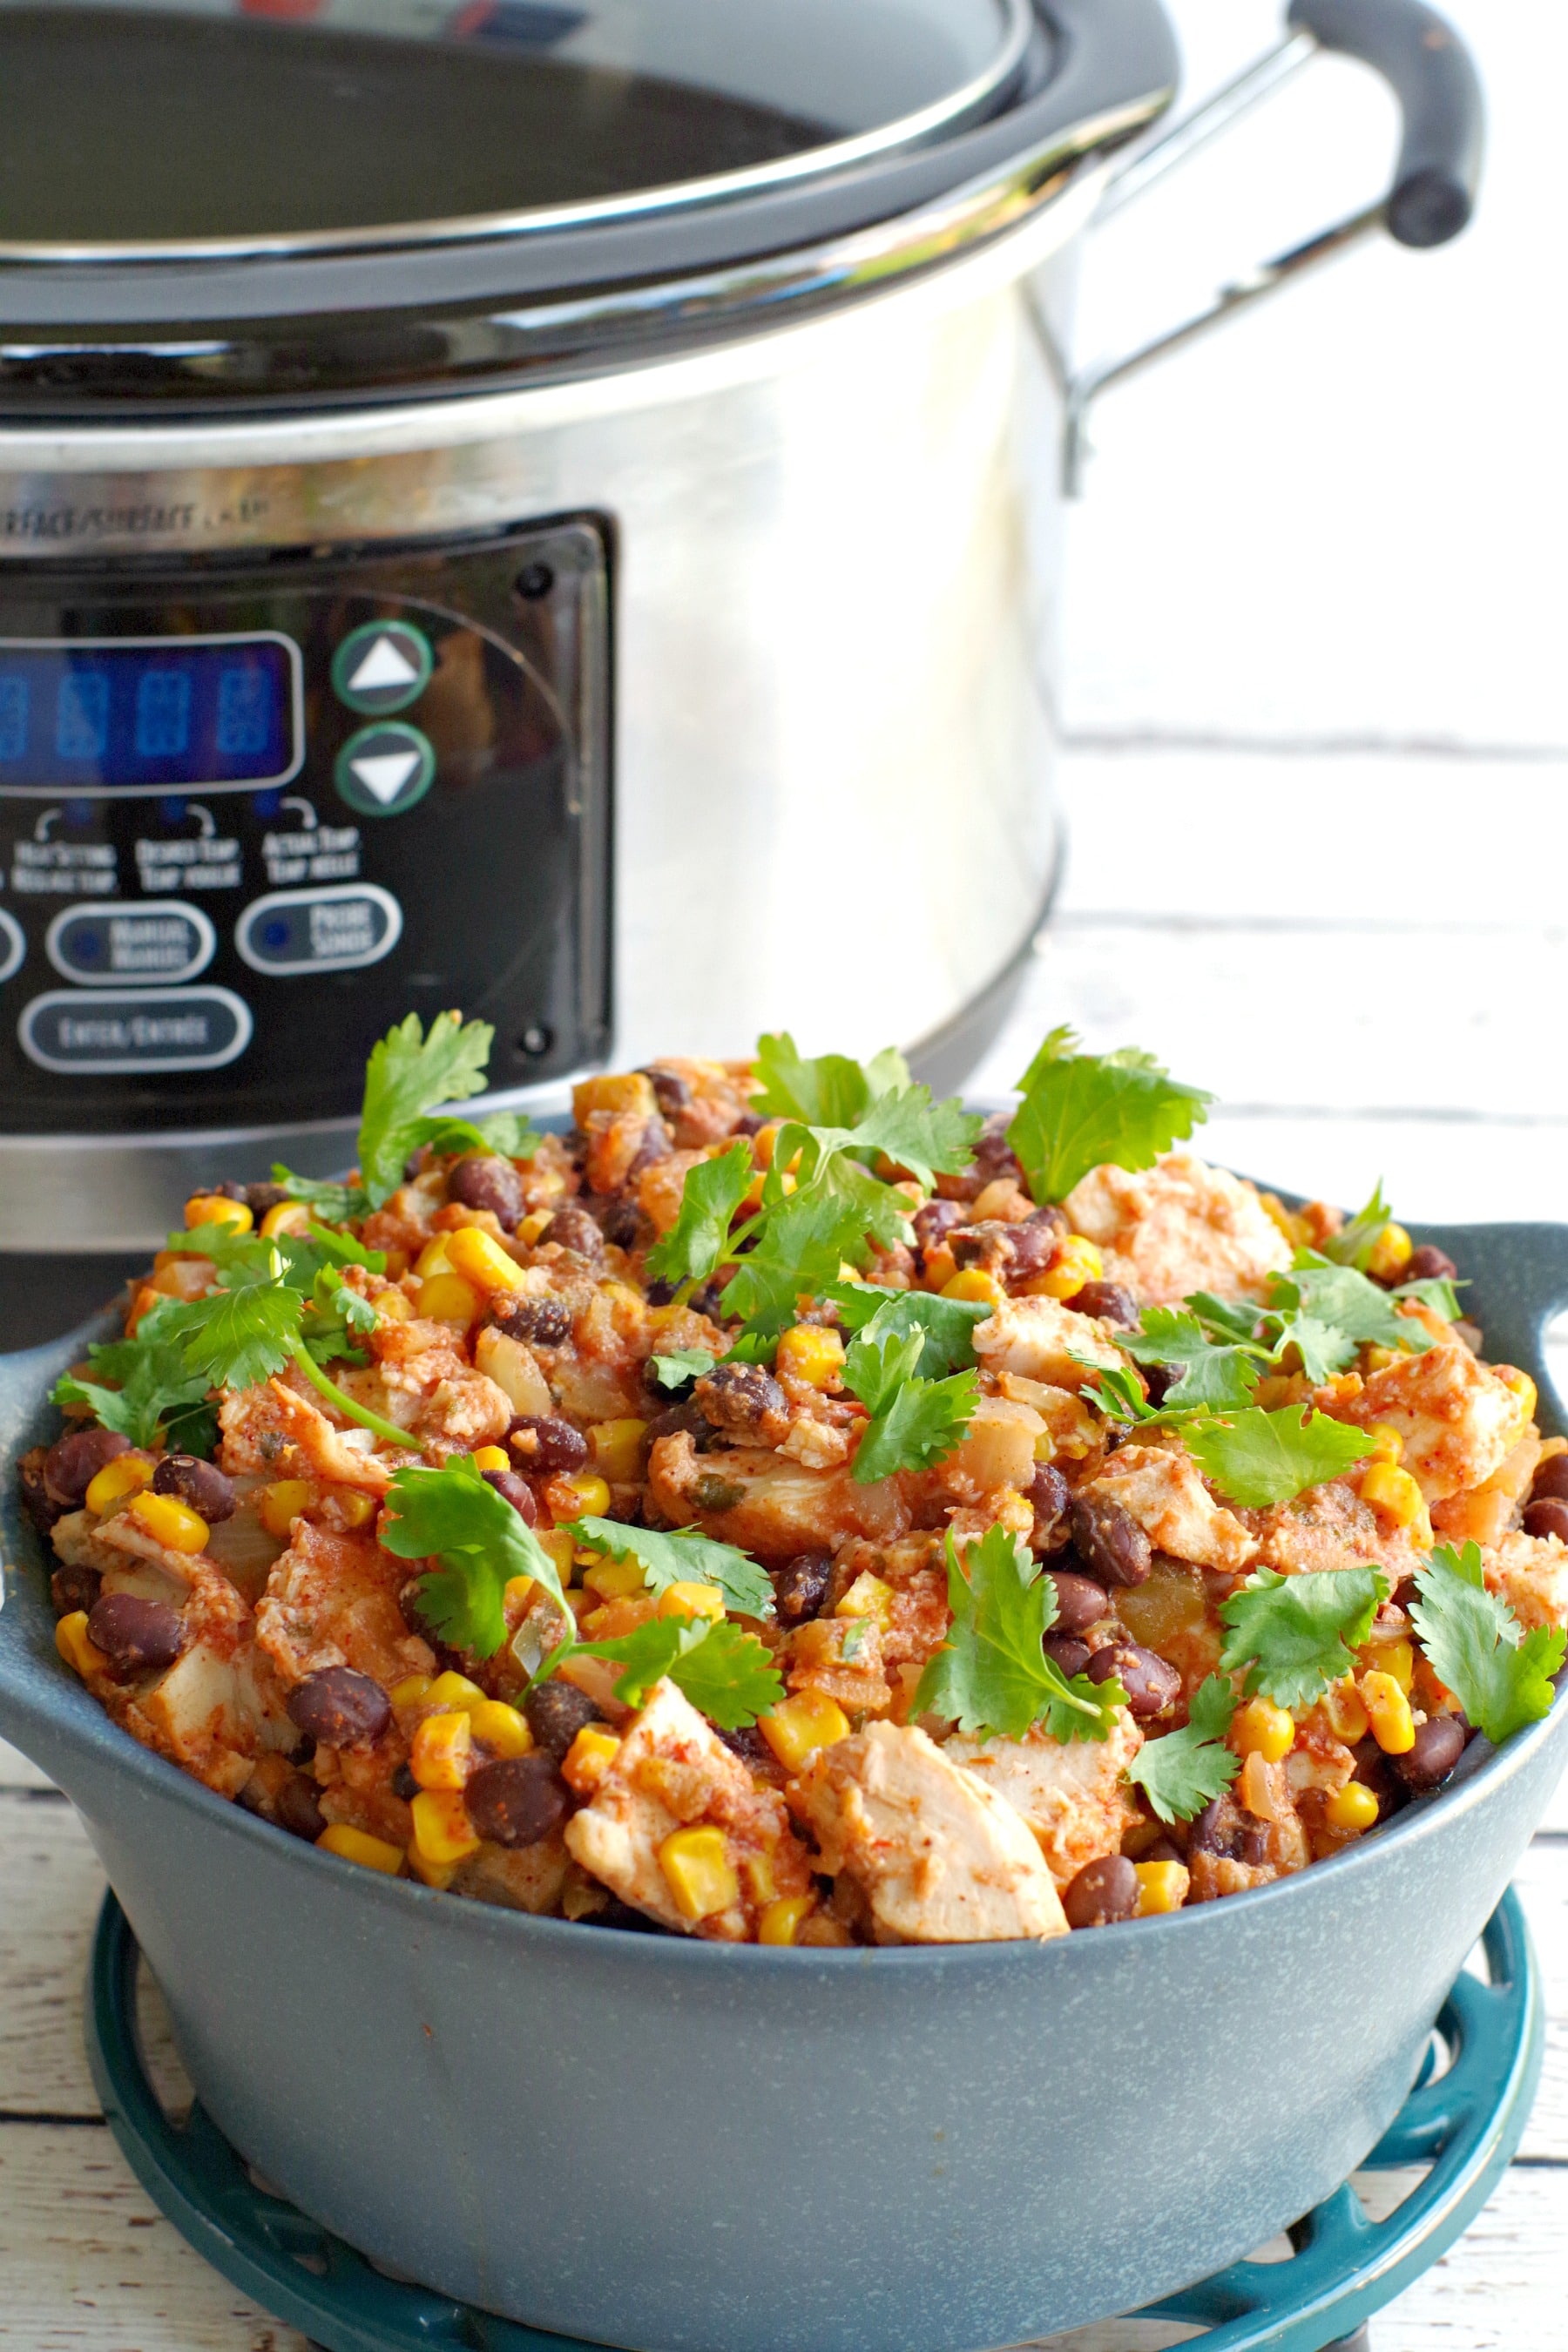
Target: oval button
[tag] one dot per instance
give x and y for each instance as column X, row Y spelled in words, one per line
column 13, row 946
column 334, row 929
column 143, row 945
column 107, row 1031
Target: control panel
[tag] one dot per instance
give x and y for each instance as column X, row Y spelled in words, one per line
column 251, row 816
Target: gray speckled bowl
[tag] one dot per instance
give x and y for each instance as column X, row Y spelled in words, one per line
column 667, row 2144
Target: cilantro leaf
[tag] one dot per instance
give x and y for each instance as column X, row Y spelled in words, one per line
column 1296, row 1634
column 676, row 1371
column 872, row 1210
column 1323, row 1349
column 915, row 1131
column 913, row 1423
column 828, row 1091
column 948, row 1324
column 508, row 1133
column 1357, row 1237
column 800, row 1248
column 1117, row 1392
column 1081, row 1109
column 407, row 1075
column 880, row 1362
column 450, row 1515
column 1436, row 1291
column 1500, row 1675
column 153, row 1386
column 992, row 1674
column 338, row 1203
column 1216, row 1376
column 1256, row 1458
column 1339, row 1296
column 235, row 1338
column 725, row 1673
column 1183, row 1771
column 1233, row 1320
column 337, row 1318
column 696, row 1243
column 685, row 1558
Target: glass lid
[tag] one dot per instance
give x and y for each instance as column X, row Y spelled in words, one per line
column 168, row 127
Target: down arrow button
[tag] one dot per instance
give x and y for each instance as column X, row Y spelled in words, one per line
column 386, row 769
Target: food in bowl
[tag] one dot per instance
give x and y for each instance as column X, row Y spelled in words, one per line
column 785, row 1508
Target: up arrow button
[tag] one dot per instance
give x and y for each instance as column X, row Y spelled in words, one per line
column 382, row 666
column 383, row 770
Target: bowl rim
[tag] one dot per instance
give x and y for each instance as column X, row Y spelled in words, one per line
column 71, row 1710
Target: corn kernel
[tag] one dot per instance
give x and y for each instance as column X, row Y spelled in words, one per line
column 479, row 1258
column 588, row 1759
column 1378, row 1359
column 453, row 1690
column 613, row 1579
column 281, row 1504
column 847, row 1272
column 612, row 1091
column 71, row 1642
column 800, row 1725
column 690, row 1601
column 757, row 1870
column 781, row 1920
column 353, row 1506
column 868, row 1597
column 447, row 1298
column 1394, row 1492
column 287, row 1217
column 217, row 1209
column 491, row 1457
column 1261, row 1729
column 517, row 1594
column 1388, row 1712
column 438, row 1874
column 1352, row 1808
column 501, row 1728
column 172, row 1523
column 410, row 1691
column 442, row 1830
column 1395, row 1658
column 1523, row 1388
column 810, row 1353
column 590, row 1495
column 558, row 1544
column 1077, row 1261
column 1161, row 1887
column 617, row 1449
column 1391, row 1254
column 125, row 1475
column 443, row 1751
column 531, row 1227
column 358, row 1845
column 1347, row 1717
column 699, row 1873
column 975, row 1284
column 1386, row 1440
column 392, row 1306
column 433, row 1259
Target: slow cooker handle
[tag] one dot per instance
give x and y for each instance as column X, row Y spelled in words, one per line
column 1432, row 75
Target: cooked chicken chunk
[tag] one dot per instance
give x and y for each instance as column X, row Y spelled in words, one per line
column 1531, row 1573
column 1071, row 1794
column 938, row 1857
column 1177, row 1227
column 1041, row 1340
column 1162, row 1488
column 1460, row 1418
column 332, row 1601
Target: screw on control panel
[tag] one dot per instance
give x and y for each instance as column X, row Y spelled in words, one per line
column 534, row 581
column 535, row 1041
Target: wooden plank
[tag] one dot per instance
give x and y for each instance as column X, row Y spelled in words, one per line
column 88, row 2265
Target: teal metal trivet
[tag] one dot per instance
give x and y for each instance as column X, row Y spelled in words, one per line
column 1464, row 2124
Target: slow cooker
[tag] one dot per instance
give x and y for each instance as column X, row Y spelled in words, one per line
column 544, row 506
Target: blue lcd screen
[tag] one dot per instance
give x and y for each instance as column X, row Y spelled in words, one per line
column 127, row 717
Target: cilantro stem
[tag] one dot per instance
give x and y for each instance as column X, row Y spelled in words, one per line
column 360, row 1413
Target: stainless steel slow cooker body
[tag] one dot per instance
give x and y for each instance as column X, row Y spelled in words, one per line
column 808, row 420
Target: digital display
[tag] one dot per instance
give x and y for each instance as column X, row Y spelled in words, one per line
column 142, row 714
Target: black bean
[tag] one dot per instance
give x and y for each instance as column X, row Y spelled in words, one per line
column 259, row 1198
column 1102, row 1893
column 340, row 1708
column 487, row 1182
column 1109, row 1542
column 1112, row 1301
column 516, row 1800
column 801, row 1587
column 1080, row 1601
column 1549, row 1516
column 935, row 1221
column 201, row 1484
column 659, row 1294
column 138, row 1636
column 538, row 1322
column 1066, row 1652
column 1160, row 1379
column 228, row 1191
column 1151, row 1685
column 748, row 1744
column 1050, row 1498
column 544, row 1443
column 1551, row 1481
column 74, row 1461
column 574, row 1229
column 1164, row 1849
column 404, row 1783
column 987, row 1245
column 555, row 1712
column 1428, row 1264
column 296, row 1808
column 1374, row 1772
column 744, row 1398
column 993, row 1155
column 1227, row 1829
column 71, row 1589
column 515, row 1491
column 1439, row 1744
column 670, row 1090
column 625, row 1225
column 705, row 1300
